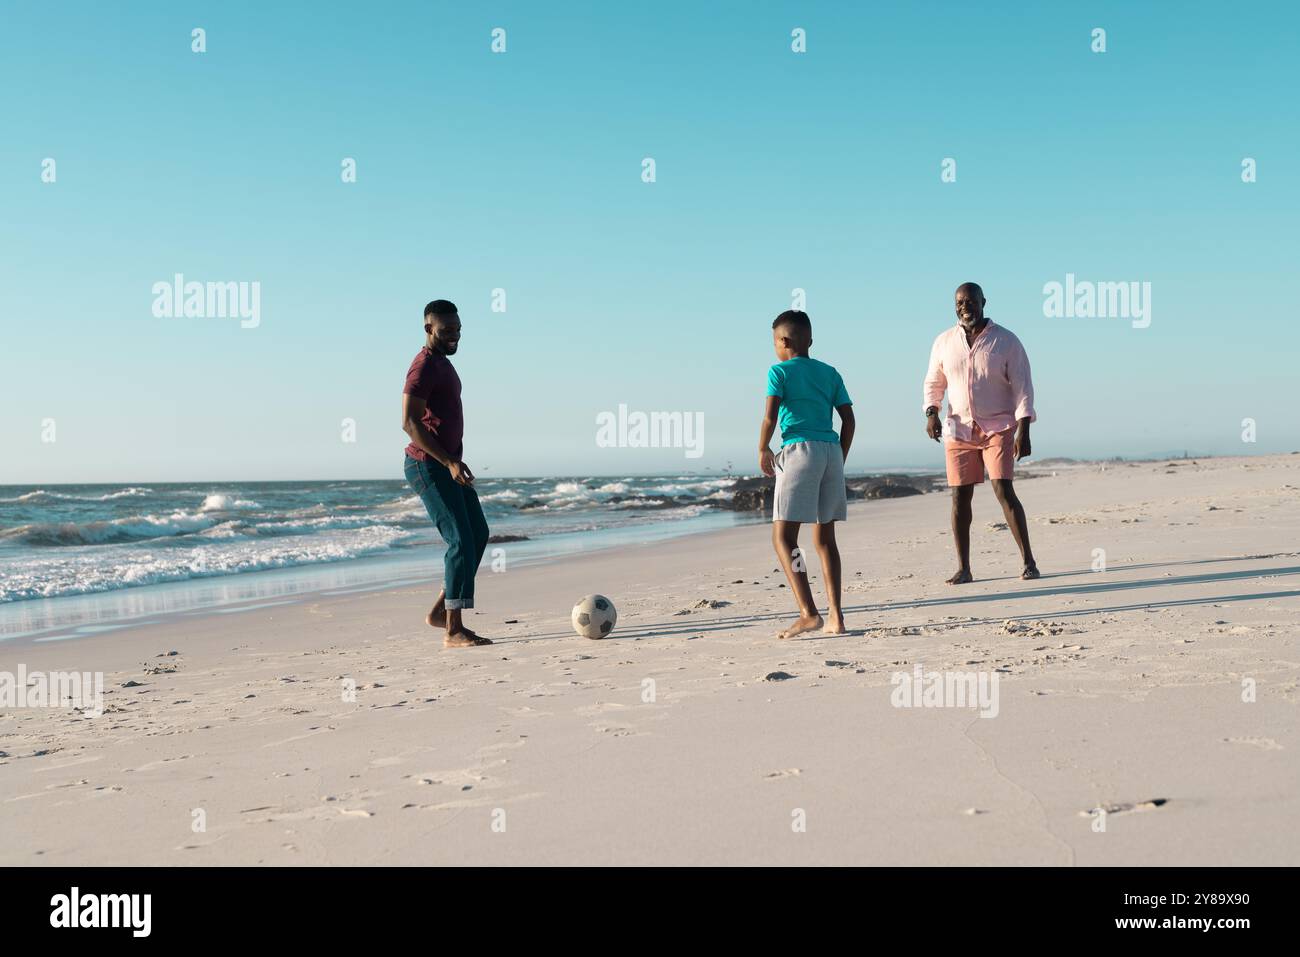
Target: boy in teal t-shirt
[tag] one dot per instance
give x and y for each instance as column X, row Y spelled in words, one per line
column 809, row 469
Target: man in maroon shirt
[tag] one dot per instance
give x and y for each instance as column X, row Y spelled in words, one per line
column 434, row 419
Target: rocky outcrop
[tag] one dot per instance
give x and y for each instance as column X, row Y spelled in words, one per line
column 755, row 494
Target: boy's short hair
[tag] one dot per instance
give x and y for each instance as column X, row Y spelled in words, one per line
column 794, row 319
column 440, row 307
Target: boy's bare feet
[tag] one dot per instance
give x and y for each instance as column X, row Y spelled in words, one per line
column 834, row 623
column 1030, row 572
column 464, row 638
column 805, row 623
column 962, row 577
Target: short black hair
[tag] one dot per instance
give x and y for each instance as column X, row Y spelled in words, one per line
column 440, row 307
column 794, row 319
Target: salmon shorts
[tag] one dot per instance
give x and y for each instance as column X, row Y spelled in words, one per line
column 967, row 460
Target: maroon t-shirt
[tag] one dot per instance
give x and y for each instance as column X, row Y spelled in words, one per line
column 433, row 379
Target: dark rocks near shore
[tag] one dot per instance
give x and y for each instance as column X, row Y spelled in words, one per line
column 500, row 539
column 888, row 490
column 750, row 495
column 755, row 494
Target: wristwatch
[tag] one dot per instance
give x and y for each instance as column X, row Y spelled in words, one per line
column 931, row 410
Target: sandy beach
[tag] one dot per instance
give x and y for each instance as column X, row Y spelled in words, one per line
column 694, row 736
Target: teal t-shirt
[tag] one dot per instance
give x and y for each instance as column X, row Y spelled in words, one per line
column 809, row 390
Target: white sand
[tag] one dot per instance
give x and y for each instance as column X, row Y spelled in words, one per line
column 1124, row 686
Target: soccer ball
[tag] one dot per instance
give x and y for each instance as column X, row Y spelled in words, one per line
column 594, row 617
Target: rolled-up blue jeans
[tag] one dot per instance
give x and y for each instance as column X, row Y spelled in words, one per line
column 456, row 511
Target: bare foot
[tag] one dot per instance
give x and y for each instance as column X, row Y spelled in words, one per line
column 464, row 639
column 805, row 623
column 437, row 618
column 1030, row 572
column 962, row 577
column 834, row 623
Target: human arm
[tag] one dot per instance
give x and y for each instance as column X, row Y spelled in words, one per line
column 771, row 409
column 848, row 425
column 933, row 388
column 413, row 409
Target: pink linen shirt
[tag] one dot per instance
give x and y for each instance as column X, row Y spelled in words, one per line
column 987, row 382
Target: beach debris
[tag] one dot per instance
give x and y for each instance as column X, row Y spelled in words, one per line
column 832, row 663
column 167, row 654
column 1264, row 744
column 132, row 684
column 972, row 811
column 783, row 773
column 1032, row 629
column 160, row 669
column 777, row 676
column 512, row 621
column 704, row 603
column 1150, row 805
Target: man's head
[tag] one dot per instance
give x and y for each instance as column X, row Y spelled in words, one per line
column 791, row 334
column 442, row 326
column 970, row 301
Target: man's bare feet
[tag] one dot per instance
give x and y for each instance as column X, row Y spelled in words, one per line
column 962, row 577
column 1030, row 572
column 437, row 618
column 805, row 623
column 464, row 639
column 834, row 623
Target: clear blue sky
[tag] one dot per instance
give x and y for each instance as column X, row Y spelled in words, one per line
column 523, row 171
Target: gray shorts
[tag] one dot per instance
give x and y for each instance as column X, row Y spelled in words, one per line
column 810, row 483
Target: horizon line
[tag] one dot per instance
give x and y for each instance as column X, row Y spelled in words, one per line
column 716, row 473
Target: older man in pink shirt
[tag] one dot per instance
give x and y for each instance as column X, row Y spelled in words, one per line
column 985, row 372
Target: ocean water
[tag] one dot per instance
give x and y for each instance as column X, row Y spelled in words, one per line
column 78, row 556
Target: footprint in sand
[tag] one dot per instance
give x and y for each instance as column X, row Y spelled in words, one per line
column 599, row 708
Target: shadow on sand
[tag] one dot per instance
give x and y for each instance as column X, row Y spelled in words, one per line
column 955, row 598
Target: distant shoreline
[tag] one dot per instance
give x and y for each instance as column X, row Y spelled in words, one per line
column 719, row 473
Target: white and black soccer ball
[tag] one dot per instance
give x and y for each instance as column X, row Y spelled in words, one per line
column 594, row 617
